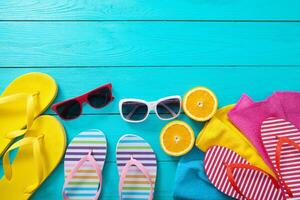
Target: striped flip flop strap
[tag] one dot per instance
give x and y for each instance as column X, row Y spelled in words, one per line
column 142, row 168
column 281, row 141
column 229, row 171
column 234, row 176
column 91, row 159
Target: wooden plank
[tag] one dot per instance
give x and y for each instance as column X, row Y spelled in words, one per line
column 151, row 83
column 114, row 127
column 149, row 10
column 148, row 44
column 51, row 189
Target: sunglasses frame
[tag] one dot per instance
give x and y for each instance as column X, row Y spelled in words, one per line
column 84, row 99
column 152, row 106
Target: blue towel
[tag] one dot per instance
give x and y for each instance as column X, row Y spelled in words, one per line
column 191, row 182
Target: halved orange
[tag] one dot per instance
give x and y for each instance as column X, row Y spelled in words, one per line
column 200, row 104
column 177, row 138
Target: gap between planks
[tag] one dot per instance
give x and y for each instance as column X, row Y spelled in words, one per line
column 145, row 66
column 157, row 20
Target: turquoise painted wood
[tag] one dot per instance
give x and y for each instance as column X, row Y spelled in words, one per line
column 52, row 187
column 149, row 49
column 63, row 44
column 152, row 83
column 149, row 10
column 114, row 127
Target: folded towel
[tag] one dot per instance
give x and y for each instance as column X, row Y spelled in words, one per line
column 290, row 102
column 220, row 131
column 247, row 116
column 191, row 182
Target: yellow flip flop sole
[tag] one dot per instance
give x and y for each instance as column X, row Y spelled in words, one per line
column 23, row 100
column 40, row 151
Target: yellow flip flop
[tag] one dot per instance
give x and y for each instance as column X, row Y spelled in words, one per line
column 23, row 100
column 40, row 151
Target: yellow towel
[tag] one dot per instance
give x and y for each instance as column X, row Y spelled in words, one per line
column 220, row 131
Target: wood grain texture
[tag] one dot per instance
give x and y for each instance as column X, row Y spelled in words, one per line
column 149, row 49
column 149, row 10
column 148, row 44
column 151, row 83
column 114, row 127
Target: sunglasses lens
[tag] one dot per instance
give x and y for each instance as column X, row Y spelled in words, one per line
column 100, row 98
column 69, row 110
column 169, row 108
column 134, row 111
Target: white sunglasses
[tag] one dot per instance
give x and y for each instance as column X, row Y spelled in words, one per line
column 137, row 110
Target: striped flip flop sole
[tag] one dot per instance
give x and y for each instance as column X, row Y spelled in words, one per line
column 252, row 183
column 136, row 184
column 271, row 129
column 85, row 183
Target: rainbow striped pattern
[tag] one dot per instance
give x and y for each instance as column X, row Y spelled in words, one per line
column 85, row 183
column 136, row 184
column 271, row 129
column 252, row 183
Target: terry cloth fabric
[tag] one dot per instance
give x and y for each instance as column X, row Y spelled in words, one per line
column 191, row 182
column 219, row 131
column 248, row 116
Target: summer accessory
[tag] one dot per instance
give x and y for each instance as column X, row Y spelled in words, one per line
column 248, row 115
column 219, row 131
column 234, row 176
column 39, row 152
column 281, row 140
column 23, row 100
column 137, row 168
column 72, row 108
column 177, row 138
column 191, row 182
column 137, row 110
column 84, row 161
column 200, row 104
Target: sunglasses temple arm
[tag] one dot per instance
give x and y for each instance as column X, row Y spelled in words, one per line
column 170, row 110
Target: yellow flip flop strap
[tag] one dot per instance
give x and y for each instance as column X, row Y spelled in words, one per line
column 35, row 142
column 30, row 107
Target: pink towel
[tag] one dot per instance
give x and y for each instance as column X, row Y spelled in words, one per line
column 247, row 115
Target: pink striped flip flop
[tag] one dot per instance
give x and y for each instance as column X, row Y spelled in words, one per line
column 137, row 167
column 84, row 161
column 281, row 140
column 234, row 176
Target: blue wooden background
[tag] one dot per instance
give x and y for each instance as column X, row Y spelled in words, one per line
column 149, row 49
